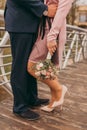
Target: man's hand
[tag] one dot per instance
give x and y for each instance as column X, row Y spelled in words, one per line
column 52, row 8
column 52, row 46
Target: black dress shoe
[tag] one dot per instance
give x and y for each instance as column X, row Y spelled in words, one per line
column 29, row 115
column 40, row 102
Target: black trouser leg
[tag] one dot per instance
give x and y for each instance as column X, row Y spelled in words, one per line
column 24, row 86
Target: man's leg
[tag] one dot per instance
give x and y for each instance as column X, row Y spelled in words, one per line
column 24, row 86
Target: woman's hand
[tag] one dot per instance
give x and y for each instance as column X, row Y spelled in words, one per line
column 52, row 8
column 52, row 46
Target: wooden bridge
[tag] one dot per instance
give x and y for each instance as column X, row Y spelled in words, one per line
column 74, row 114
column 73, row 74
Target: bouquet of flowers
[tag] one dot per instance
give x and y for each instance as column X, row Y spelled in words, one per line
column 46, row 69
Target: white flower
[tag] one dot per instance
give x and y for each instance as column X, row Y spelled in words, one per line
column 47, row 77
column 43, row 72
column 37, row 73
column 37, row 67
column 41, row 65
column 52, row 74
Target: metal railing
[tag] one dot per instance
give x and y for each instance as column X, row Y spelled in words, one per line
column 75, row 50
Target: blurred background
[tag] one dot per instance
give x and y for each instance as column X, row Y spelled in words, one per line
column 78, row 14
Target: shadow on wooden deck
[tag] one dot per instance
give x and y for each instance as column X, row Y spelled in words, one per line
column 74, row 114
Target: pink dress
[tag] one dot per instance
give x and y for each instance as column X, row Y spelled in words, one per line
column 58, row 29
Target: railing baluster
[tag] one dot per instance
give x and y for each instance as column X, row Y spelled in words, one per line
column 69, row 52
column 76, row 50
column 80, row 51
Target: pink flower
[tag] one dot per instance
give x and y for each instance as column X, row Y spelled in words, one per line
column 38, row 66
column 50, row 70
column 47, row 73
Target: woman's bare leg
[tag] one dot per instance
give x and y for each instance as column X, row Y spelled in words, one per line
column 54, row 85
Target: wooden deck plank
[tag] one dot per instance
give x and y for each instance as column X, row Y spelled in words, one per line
column 74, row 114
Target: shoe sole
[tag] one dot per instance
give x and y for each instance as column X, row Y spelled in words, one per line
column 37, row 106
column 26, row 117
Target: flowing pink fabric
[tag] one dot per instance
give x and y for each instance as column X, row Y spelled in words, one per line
column 58, row 29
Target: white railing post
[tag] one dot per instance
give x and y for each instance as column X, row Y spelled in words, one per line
column 85, row 48
column 81, row 48
column 69, row 52
column 76, row 50
column 1, row 15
